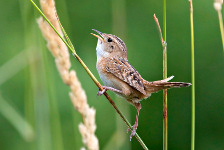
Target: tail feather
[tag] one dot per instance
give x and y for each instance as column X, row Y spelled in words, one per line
column 155, row 86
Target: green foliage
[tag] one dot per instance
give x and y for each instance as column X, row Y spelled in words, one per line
column 38, row 94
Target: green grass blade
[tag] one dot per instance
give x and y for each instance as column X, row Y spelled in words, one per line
column 193, row 78
column 14, row 65
column 65, row 34
column 42, row 14
column 20, row 124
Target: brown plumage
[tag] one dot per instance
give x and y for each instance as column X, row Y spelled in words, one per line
column 120, row 77
column 120, row 68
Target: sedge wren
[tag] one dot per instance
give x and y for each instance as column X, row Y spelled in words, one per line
column 120, row 77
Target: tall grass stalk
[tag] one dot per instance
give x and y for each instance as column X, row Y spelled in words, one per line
column 221, row 28
column 57, row 137
column 193, row 78
column 165, row 122
column 164, row 94
column 32, row 52
column 62, row 61
column 36, row 98
column 42, row 102
column 91, row 76
column 118, row 12
column 20, row 124
column 55, row 123
column 14, row 65
column 218, row 7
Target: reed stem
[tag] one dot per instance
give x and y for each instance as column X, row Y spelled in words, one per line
column 16, row 120
column 119, row 25
column 165, row 130
column 193, row 78
column 221, row 27
column 218, row 5
column 164, row 94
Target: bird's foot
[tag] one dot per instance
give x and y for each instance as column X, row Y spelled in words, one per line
column 105, row 88
column 134, row 128
column 99, row 93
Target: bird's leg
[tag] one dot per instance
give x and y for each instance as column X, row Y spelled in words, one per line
column 105, row 88
column 138, row 107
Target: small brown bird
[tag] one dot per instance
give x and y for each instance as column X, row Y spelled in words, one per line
column 120, row 77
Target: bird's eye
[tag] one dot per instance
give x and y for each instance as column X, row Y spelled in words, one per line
column 109, row 40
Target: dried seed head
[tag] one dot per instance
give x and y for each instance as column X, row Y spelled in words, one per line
column 77, row 94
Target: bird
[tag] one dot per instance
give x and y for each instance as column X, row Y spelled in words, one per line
column 119, row 76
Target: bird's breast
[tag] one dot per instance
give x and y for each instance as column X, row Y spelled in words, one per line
column 106, row 77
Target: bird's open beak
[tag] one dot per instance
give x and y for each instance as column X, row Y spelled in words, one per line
column 100, row 38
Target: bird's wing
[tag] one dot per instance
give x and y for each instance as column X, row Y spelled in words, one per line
column 121, row 68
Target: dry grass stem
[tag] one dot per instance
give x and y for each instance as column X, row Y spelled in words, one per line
column 160, row 31
column 61, row 55
column 165, row 131
column 163, row 44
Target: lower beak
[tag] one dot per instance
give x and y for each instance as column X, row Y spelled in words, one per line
column 101, row 39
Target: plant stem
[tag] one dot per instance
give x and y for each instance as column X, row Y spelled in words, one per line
column 19, row 122
column 119, row 25
column 14, row 65
column 91, row 76
column 221, row 27
column 164, row 94
column 165, row 130
column 193, row 78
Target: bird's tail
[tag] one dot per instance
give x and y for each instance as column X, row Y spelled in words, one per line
column 156, row 86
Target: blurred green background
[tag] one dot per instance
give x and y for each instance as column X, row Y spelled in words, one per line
column 31, row 88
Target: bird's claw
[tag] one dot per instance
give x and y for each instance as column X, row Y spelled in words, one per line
column 128, row 130
column 99, row 93
column 133, row 131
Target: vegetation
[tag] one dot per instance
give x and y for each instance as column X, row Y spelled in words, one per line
column 37, row 113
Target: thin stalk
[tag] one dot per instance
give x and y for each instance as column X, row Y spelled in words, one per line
column 19, row 122
column 165, row 93
column 118, row 12
column 14, row 65
column 29, row 56
column 193, row 78
column 165, row 130
column 221, row 27
column 54, row 112
column 91, row 76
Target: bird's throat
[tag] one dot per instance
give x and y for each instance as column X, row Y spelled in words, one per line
column 100, row 51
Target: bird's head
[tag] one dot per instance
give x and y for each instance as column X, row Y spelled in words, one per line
column 110, row 46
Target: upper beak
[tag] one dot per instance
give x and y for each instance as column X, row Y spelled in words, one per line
column 100, row 38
